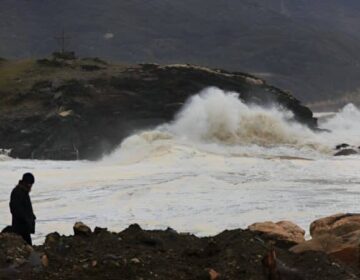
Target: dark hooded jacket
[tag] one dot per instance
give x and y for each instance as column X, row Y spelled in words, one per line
column 23, row 218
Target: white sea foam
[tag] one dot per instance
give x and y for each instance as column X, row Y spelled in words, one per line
column 218, row 116
column 4, row 157
column 4, row 154
column 344, row 126
column 220, row 164
column 219, row 122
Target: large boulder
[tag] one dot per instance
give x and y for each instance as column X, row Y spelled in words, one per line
column 338, row 224
column 337, row 235
column 283, row 230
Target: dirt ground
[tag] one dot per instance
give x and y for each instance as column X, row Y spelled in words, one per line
column 138, row 254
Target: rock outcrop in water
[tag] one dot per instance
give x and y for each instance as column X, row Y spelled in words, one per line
column 69, row 109
column 346, row 150
column 283, row 230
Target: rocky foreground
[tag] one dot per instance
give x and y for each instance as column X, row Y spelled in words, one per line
column 263, row 251
column 66, row 108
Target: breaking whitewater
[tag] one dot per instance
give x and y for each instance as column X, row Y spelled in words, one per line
column 220, row 165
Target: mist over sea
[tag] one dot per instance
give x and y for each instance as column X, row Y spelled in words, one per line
column 221, row 164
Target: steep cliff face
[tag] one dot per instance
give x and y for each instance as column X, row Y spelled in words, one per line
column 81, row 109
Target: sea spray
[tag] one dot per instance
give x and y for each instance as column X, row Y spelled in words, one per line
column 4, row 154
column 220, row 119
column 217, row 116
column 142, row 145
column 344, row 126
column 215, row 121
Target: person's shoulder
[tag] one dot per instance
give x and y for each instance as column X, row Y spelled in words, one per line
column 16, row 191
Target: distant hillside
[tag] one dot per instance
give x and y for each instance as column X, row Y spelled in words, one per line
column 309, row 47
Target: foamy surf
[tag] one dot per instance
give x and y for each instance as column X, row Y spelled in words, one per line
column 213, row 168
column 344, row 127
column 218, row 122
column 217, row 116
column 4, row 154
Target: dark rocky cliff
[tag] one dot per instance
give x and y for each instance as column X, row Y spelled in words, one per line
column 83, row 108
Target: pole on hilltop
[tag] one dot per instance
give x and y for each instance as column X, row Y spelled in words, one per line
column 61, row 40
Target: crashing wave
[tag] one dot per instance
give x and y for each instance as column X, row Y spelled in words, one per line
column 219, row 122
column 343, row 126
column 218, row 116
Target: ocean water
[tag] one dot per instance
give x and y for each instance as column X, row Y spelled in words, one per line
column 220, row 164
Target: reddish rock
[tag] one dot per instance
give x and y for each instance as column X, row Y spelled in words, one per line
column 337, row 224
column 283, row 230
column 325, row 243
column 45, row 260
column 349, row 256
column 337, row 235
column 213, row 274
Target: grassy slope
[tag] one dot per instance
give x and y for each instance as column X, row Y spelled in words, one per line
column 12, row 74
column 20, row 75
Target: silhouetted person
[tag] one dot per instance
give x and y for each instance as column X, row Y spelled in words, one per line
column 23, row 218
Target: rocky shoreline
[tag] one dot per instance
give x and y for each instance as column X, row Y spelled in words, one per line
column 263, row 251
column 64, row 108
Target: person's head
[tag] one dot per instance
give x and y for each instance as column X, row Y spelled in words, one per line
column 27, row 181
